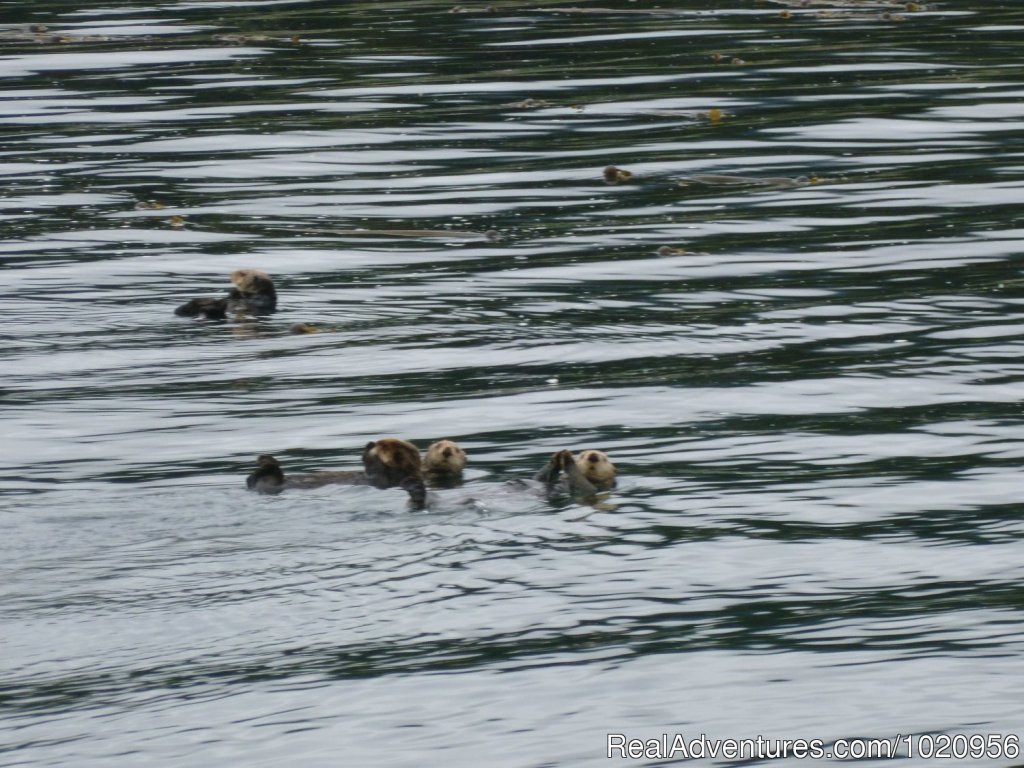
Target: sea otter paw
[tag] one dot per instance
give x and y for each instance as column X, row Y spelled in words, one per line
column 417, row 491
column 550, row 471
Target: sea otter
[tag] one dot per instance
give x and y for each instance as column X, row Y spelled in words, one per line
column 443, row 464
column 585, row 475
column 267, row 477
column 253, row 292
column 582, row 477
column 387, row 463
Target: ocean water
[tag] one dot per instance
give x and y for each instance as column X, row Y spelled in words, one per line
column 796, row 327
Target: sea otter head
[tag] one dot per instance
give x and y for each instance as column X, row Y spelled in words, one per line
column 255, row 286
column 268, row 477
column 444, row 459
column 597, row 468
column 389, row 462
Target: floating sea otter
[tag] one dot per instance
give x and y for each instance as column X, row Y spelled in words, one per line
column 585, row 475
column 253, row 292
column 582, row 477
column 387, row 463
column 391, row 462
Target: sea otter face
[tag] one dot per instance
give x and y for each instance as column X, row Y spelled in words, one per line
column 390, row 461
column 597, row 468
column 255, row 285
column 444, row 458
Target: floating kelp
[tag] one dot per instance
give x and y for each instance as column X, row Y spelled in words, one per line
column 240, row 39
column 840, row 16
column 529, row 104
column 614, row 11
column 237, row 38
column 668, row 250
column 851, row 13
column 720, row 58
column 572, row 9
column 712, row 115
column 852, row 5
column 452, row 234
column 40, row 33
column 731, row 180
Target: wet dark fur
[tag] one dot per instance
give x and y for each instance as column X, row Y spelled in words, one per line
column 253, row 292
column 211, row 309
column 268, row 477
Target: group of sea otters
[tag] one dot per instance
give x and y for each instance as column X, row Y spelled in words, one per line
column 390, row 462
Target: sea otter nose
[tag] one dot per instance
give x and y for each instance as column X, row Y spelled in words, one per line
column 593, row 458
column 447, row 453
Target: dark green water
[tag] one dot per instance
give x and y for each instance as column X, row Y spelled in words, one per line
column 811, row 390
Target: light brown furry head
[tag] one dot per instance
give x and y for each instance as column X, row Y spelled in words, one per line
column 390, row 461
column 252, row 281
column 255, row 288
column 444, row 459
column 597, row 468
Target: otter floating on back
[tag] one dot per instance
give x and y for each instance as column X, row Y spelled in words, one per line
column 391, row 462
column 584, row 476
column 387, row 463
column 253, row 292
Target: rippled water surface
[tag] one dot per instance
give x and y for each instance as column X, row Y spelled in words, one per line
column 809, row 378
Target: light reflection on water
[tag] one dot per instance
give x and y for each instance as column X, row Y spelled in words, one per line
column 813, row 398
